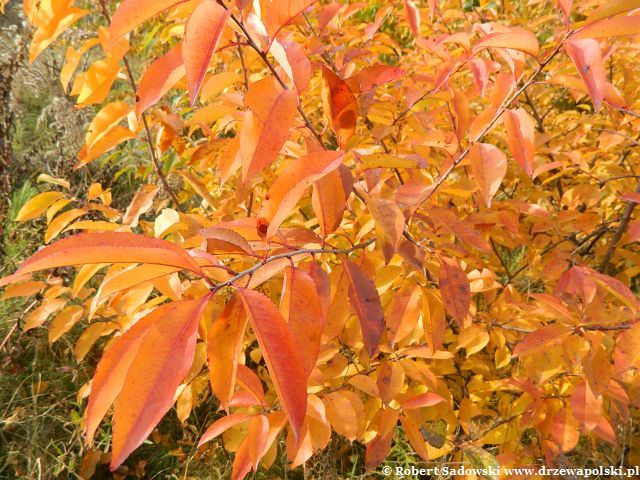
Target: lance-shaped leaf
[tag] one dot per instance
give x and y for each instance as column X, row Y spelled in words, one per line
column 291, row 184
column 113, row 367
column 412, row 14
column 455, row 289
column 224, row 346
column 329, row 198
column 222, row 425
column 340, row 105
column 627, row 351
column 518, row 39
column 281, row 354
column 520, row 136
column 389, row 222
column 267, row 126
column 611, row 27
column 544, row 338
column 37, row 205
column 160, row 77
column 489, row 166
column 282, row 12
column 365, row 301
column 131, row 13
column 107, row 247
column 370, row 78
column 300, row 307
column 587, row 58
column 611, row 8
column 201, row 35
column 162, row 361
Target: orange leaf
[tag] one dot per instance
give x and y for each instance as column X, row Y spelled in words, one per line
column 131, row 13
column 201, row 35
column 611, row 8
column 390, row 223
column 267, row 127
column 280, row 352
column 340, row 105
column 290, row 185
column 587, row 58
column 257, row 437
column 113, row 367
column 365, row 301
column 281, row 12
column 542, row 339
column 224, row 346
column 390, row 379
column 489, row 166
column 627, row 351
column 370, row 78
column 423, row 400
column 162, row 361
column 412, row 15
column 300, row 307
column 160, row 77
column 108, row 247
column 520, row 136
column 455, row 289
column 585, row 406
column 329, row 198
column 518, row 39
column 222, row 425
column 611, row 27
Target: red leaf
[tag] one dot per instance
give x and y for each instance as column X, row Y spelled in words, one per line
column 455, row 289
column 370, row 78
column 224, row 346
column 423, row 400
column 300, row 307
column 365, row 301
column 281, row 355
column 160, row 77
column 108, row 247
column 131, row 13
column 587, row 58
column 163, row 360
column 201, row 35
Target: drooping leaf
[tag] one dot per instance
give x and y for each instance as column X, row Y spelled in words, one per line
column 162, row 361
column 365, row 300
column 489, row 166
column 201, row 35
column 224, row 345
column 281, row 354
column 542, row 339
column 587, row 58
column 340, row 105
column 267, row 126
column 518, row 39
column 329, row 198
column 520, row 136
column 455, row 289
column 300, row 308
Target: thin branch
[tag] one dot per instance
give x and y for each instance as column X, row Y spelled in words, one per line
column 302, row 251
column 622, row 228
column 154, row 158
column 441, row 179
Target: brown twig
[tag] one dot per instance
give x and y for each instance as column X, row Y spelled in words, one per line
column 618, row 232
column 149, row 139
column 505, row 104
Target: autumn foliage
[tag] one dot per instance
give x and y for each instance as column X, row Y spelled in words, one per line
column 358, row 219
